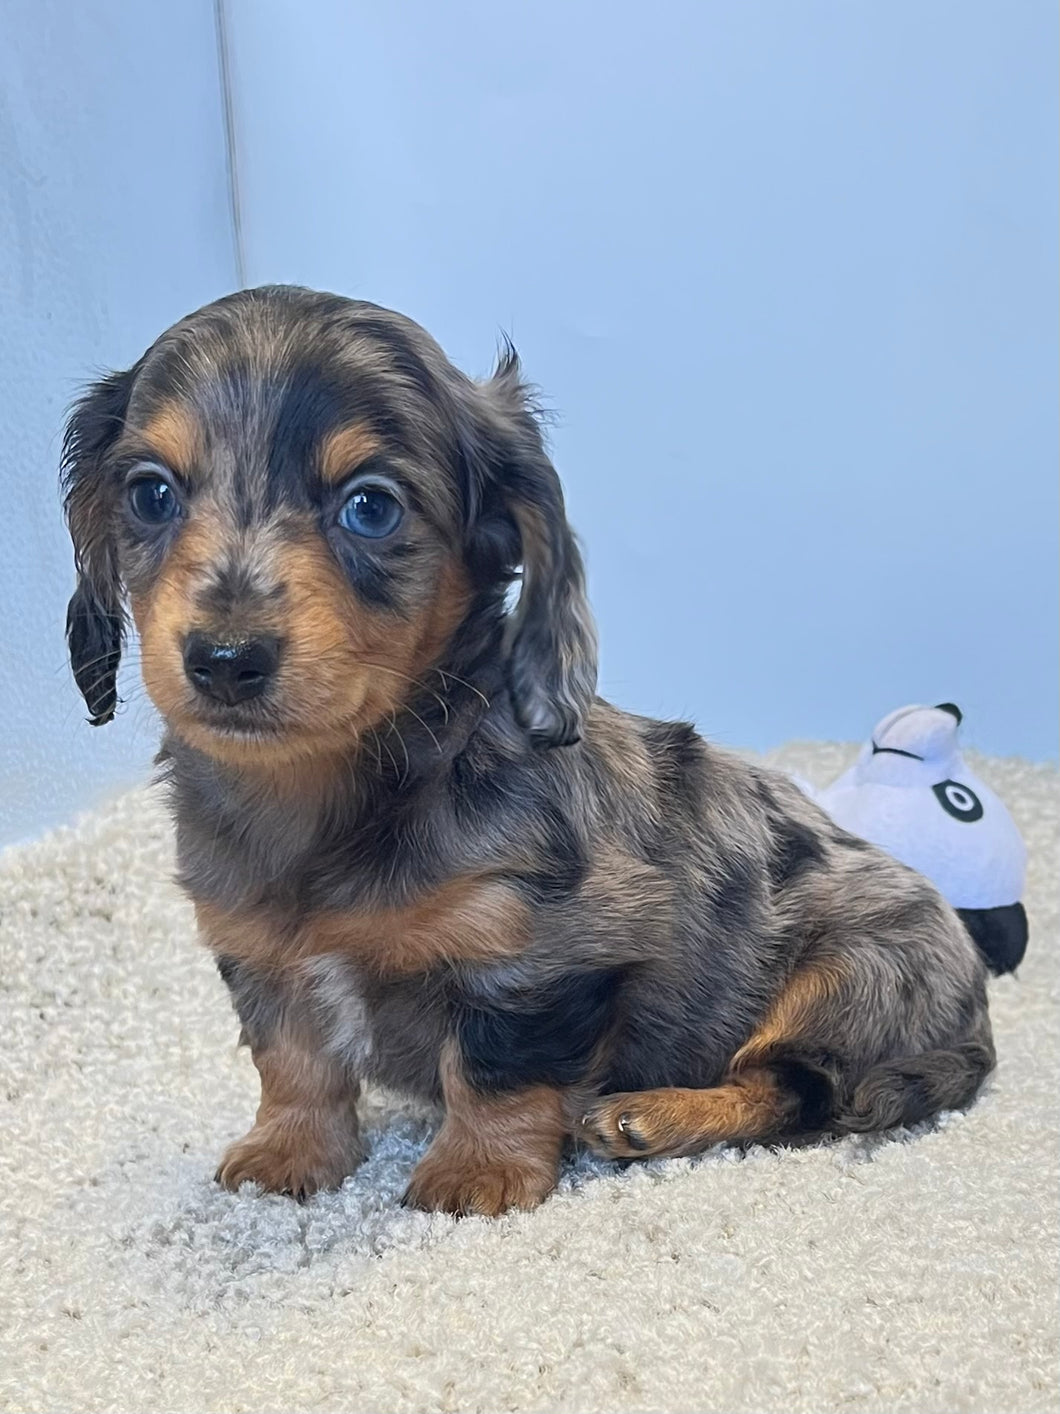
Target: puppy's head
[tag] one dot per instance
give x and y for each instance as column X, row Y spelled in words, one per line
column 301, row 501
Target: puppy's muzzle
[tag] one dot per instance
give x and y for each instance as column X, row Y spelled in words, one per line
column 230, row 672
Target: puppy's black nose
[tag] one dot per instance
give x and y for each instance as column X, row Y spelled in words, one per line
column 230, row 672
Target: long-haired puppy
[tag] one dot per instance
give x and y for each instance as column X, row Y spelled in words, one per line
column 422, row 850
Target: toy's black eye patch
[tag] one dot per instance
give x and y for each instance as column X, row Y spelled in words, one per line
column 959, row 801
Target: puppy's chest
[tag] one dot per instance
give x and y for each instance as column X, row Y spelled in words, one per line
column 389, row 1030
column 376, row 981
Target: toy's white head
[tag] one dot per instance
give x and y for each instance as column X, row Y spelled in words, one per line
column 911, row 792
column 912, row 746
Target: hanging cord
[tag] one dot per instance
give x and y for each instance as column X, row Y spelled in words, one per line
column 231, row 155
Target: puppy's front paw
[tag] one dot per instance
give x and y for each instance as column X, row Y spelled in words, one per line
column 485, row 1189
column 291, row 1158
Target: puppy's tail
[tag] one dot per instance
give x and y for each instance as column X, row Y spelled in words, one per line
column 905, row 1091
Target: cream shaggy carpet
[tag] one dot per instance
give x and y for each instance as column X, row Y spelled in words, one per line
column 916, row 1273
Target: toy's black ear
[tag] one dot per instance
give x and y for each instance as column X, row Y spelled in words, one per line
column 95, row 619
column 551, row 635
column 1000, row 934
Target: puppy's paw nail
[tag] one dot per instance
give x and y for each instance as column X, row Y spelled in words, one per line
column 631, row 1135
column 616, row 1128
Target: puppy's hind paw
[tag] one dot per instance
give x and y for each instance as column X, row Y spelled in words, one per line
column 639, row 1124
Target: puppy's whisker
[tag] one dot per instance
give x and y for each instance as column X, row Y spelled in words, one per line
column 95, row 683
column 426, row 728
column 386, row 748
column 395, row 731
column 128, row 660
column 375, row 742
column 413, row 682
column 445, row 673
column 140, row 717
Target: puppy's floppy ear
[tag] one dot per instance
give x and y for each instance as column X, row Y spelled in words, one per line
column 551, row 635
column 95, row 619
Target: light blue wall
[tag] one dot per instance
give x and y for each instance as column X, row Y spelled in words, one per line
column 114, row 221
column 786, row 270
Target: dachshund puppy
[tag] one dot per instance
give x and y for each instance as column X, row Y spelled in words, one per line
column 421, row 849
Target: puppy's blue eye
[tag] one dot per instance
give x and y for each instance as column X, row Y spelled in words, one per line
column 371, row 512
column 153, row 500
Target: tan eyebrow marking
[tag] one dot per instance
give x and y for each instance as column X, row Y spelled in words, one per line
column 174, row 435
column 343, row 451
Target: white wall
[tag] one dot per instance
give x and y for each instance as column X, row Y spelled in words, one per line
column 114, row 221
column 787, row 272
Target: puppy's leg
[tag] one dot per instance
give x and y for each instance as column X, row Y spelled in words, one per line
column 305, row 1136
column 494, row 1151
column 768, row 1092
column 755, row 1104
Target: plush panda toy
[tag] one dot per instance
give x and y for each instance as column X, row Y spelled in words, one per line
column 911, row 793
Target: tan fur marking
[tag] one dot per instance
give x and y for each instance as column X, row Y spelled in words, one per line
column 165, row 615
column 465, row 920
column 493, row 1152
column 790, row 1019
column 305, row 1136
column 643, row 1123
column 174, row 435
column 344, row 451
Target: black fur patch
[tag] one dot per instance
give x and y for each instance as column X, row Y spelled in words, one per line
column 228, row 968
column 257, row 1003
column 815, row 1089
column 562, row 861
column 312, row 404
column 736, row 897
column 484, row 789
column 480, row 790
column 676, row 752
column 368, row 570
column 545, row 1037
column 795, row 848
column 852, row 842
column 94, row 635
